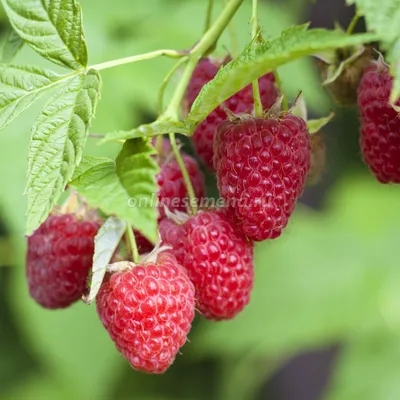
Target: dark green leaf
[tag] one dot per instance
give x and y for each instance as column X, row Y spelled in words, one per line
column 130, row 185
column 258, row 59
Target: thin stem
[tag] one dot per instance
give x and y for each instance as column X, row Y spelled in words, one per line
column 139, row 57
column 209, row 15
column 165, row 82
column 233, row 38
column 132, row 244
column 258, row 108
column 207, row 41
column 352, row 24
column 185, row 174
column 278, row 83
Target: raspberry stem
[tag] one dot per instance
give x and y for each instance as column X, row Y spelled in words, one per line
column 206, row 42
column 166, row 80
column 258, row 109
column 209, row 15
column 352, row 24
column 138, row 57
column 185, row 174
column 132, row 244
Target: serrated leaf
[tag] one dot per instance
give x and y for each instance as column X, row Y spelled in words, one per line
column 129, row 182
column 11, row 47
column 315, row 125
column 58, row 139
column 53, row 28
column 259, row 59
column 382, row 17
column 148, row 130
column 20, row 86
column 105, row 244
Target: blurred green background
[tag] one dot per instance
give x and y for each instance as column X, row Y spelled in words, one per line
column 324, row 319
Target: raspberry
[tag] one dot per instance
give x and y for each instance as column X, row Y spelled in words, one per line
column 219, row 262
column 60, row 255
column 380, row 124
column 173, row 235
column 173, row 193
column 147, row 311
column 262, row 165
column 241, row 102
column 143, row 245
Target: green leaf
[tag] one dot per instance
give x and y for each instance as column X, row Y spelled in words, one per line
column 368, row 368
column 58, row 139
column 52, row 28
column 12, row 46
column 258, row 59
column 315, row 125
column 148, row 130
column 20, row 86
column 382, row 17
column 129, row 182
column 105, row 244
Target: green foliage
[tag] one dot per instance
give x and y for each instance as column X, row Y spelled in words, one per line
column 383, row 17
column 105, row 244
column 368, row 368
column 11, row 47
column 53, row 29
column 258, row 59
column 315, row 125
column 129, row 183
column 58, row 139
column 158, row 127
column 21, row 87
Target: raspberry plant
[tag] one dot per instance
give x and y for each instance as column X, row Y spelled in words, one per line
column 114, row 187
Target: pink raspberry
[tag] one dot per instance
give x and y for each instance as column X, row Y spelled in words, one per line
column 148, row 310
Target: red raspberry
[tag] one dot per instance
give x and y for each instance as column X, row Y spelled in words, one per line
column 173, row 193
column 143, row 245
column 218, row 260
column 147, row 311
column 59, row 258
column 173, row 235
column 241, row 102
column 380, row 124
column 262, row 165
